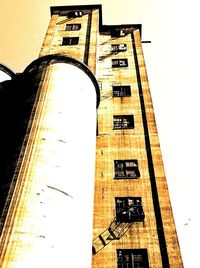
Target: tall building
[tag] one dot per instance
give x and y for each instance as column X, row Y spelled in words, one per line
column 48, row 186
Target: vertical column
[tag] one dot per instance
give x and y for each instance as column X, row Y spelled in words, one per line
column 93, row 46
column 169, row 247
column 51, row 210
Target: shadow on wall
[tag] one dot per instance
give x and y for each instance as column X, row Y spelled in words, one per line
column 18, row 99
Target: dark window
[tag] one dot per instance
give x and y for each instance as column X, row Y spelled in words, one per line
column 75, row 14
column 128, row 209
column 123, row 121
column 121, row 91
column 126, row 169
column 70, row 41
column 118, row 47
column 73, row 27
column 132, row 258
column 117, row 33
column 119, row 63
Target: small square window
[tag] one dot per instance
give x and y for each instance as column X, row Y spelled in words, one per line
column 129, row 209
column 121, row 91
column 126, row 169
column 75, row 14
column 73, row 27
column 117, row 63
column 123, row 122
column 131, row 258
column 117, row 33
column 70, row 41
column 118, row 47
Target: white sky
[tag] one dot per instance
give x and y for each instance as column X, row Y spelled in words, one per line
column 172, row 61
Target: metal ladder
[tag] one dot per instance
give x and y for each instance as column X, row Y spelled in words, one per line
column 114, row 232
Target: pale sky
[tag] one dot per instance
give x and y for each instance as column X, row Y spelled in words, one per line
column 172, row 61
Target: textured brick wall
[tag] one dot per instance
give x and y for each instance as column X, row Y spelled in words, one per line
column 129, row 144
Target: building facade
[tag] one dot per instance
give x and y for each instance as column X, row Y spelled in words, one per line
column 133, row 225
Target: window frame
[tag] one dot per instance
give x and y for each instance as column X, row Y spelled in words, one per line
column 120, row 63
column 121, row 122
column 129, row 209
column 118, row 47
column 72, row 41
column 127, row 258
column 73, row 27
column 117, row 33
column 121, row 91
column 126, row 170
column 75, row 14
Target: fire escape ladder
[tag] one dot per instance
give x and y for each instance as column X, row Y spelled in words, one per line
column 114, row 232
column 117, row 229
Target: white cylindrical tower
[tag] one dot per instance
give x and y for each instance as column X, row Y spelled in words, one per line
column 49, row 222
